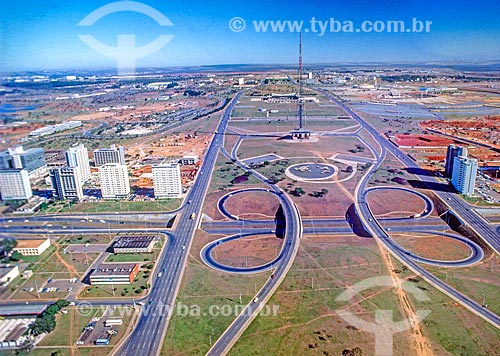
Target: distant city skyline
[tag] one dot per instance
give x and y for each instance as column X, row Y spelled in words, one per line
column 39, row 36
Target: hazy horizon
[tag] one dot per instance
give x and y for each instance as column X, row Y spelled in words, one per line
column 41, row 36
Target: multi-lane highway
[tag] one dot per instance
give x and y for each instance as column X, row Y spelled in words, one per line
column 378, row 232
column 472, row 219
column 147, row 337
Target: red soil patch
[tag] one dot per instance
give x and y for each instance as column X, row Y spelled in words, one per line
column 248, row 251
column 394, row 202
column 434, row 247
column 253, row 205
column 408, row 140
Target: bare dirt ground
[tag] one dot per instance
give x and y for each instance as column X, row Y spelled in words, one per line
column 249, row 251
column 253, row 205
column 433, row 246
column 334, row 204
column 394, row 203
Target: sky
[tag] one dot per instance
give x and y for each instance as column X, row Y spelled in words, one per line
column 44, row 34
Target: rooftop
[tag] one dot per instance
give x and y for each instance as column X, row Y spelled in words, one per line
column 22, row 309
column 134, row 241
column 5, row 269
column 30, row 243
column 114, row 269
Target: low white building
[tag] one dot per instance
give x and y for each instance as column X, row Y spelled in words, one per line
column 12, row 332
column 189, row 160
column 32, row 247
column 7, row 274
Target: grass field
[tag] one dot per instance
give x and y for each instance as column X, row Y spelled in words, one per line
column 83, row 239
column 301, row 308
column 204, row 289
column 225, row 173
column 325, row 147
column 451, row 327
column 133, row 257
column 69, row 327
column 163, row 205
column 479, row 282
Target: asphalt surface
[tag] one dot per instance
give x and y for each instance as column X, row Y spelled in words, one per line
column 206, row 255
column 456, row 204
column 378, row 232
column 147, row 337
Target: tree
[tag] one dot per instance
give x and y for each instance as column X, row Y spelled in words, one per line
column 16, row 256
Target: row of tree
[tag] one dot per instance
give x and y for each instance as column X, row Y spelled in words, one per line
column 46, row 322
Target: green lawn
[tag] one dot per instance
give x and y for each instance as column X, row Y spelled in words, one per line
column 163, row 205
column 136, row 289
column 132, row 257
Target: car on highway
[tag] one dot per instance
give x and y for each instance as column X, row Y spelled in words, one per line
column 183, row 247
column 256, row 299
column 159, row 274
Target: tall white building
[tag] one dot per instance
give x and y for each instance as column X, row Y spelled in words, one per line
column 15, row 184
column 167, row 180
column 112, row 154
column 32, row 159
column 78, row 156
column 114, row 181
column 464, row 173
column 67, row 183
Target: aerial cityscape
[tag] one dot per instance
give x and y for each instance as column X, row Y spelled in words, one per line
column 257, row 180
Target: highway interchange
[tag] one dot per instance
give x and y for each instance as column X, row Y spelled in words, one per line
column 147, row 336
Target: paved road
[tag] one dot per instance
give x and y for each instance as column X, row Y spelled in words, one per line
column 379, row 233
column 471, row 218
column 287, row 256
column 147, row 337
column 206, row 255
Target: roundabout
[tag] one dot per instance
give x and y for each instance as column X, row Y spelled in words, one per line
column 310, row 172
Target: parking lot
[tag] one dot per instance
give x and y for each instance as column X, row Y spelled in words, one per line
column 84, row 248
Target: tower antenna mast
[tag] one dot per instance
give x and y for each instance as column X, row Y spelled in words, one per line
column 301, row 104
